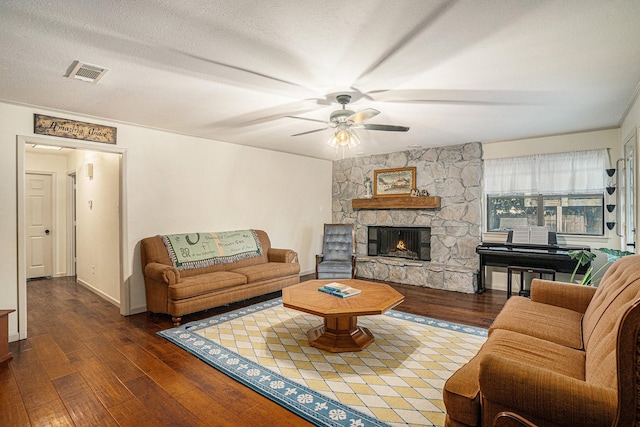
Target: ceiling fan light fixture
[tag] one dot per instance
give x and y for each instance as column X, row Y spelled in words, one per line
column 344, row 138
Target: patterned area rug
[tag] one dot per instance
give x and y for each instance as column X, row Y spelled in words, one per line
column 396, row 381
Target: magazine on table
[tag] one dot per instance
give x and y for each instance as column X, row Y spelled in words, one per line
column 339, row 289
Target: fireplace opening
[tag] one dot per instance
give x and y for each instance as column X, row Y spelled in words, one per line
column 400, row 242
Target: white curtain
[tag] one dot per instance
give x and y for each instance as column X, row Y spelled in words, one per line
column 564, row 173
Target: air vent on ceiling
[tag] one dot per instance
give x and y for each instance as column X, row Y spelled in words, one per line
column 87, row 72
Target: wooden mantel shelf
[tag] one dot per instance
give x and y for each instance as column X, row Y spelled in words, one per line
column 430, row 202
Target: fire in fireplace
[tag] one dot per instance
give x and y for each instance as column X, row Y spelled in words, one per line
column 400, row 242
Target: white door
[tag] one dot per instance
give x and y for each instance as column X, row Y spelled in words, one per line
column 38, row 223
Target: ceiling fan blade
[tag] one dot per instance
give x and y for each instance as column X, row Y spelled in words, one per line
column 462, row 97
column 390, row 128
column 363, row 115
column 309, row 131
column 426, row 22
column 305, row 118
column 243, row 70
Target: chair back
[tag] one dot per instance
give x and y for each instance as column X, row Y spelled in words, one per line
column 337, row 242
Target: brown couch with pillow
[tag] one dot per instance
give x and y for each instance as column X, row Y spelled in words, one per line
column 178, row 292
column 569, row 356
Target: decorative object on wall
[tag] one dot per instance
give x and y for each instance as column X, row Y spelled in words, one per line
column 612, row 184
column 368, row 188
column 54, row 126
column 394, row 182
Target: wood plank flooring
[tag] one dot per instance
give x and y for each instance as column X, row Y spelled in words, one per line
column 86, row 365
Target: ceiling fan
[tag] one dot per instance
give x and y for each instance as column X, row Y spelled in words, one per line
column 345, row 121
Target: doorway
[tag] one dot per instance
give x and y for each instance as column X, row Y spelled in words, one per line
column 63, row 263
column 629, row 197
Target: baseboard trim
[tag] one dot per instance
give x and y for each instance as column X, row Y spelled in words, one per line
column 137, row 310
column 99, row 292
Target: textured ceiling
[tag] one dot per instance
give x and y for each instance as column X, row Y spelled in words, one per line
column 453, row 71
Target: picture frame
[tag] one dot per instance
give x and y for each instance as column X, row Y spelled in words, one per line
column 396, row 182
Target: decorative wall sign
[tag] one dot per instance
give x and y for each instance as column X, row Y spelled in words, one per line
column 394, row 182
column 54, row 126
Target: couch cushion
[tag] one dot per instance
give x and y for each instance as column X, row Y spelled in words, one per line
column 205, row 283
column 461, row 393
column 619, row 289
column 612, row 291
column 548, row 322
column 267, row 271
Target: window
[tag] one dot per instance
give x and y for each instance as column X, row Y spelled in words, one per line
column 564, row 192
column 574, row 214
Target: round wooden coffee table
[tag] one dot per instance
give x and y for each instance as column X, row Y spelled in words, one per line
column 340, row 331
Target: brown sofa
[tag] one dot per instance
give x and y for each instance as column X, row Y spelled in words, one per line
column 569, row 356
column 179, row 292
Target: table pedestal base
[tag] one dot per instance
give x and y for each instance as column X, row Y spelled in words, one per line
column 340, row 334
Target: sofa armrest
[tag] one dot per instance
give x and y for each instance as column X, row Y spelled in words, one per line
column 561, row 294
column 282, row 255
column 543, row 394
column 511, row 419
column 162, row 273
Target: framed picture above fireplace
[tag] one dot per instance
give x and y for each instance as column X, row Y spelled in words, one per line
column 396, row 182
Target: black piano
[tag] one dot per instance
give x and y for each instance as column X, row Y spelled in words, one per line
column 549, row 256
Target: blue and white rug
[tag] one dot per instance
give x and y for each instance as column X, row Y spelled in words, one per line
column 396, row 381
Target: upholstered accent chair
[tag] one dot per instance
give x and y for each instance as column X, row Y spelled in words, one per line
column 337, row 260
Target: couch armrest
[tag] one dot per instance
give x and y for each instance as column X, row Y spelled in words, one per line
column 561, row 294
column 510, row 419
column 282, row 255
column 162, row 273
column 543, row 394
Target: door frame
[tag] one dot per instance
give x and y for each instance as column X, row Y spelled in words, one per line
column 71, row 223
column 21, row 141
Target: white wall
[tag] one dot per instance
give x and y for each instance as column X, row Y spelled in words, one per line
column 98, row 222
column 177, row 183
column 497, row 278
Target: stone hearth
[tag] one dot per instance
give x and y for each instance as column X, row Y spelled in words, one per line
column 453, row 173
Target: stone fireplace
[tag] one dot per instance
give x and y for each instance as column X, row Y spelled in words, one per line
column 400, row 242
column 454, row 174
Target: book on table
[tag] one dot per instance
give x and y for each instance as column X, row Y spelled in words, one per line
column 339, row 289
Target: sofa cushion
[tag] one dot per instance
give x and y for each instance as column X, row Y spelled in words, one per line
column 205, row 283
column 267, row 271
column 548, row 322
column 612, row 291
column 461, row 393
column 619, row 289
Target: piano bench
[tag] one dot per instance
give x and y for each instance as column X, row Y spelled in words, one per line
column 518, row 269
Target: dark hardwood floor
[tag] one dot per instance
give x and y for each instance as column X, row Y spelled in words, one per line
column 84, row 364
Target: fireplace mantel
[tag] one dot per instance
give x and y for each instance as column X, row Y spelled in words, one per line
column 430, row 202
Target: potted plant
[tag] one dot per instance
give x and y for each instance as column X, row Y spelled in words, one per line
column 584, row 256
